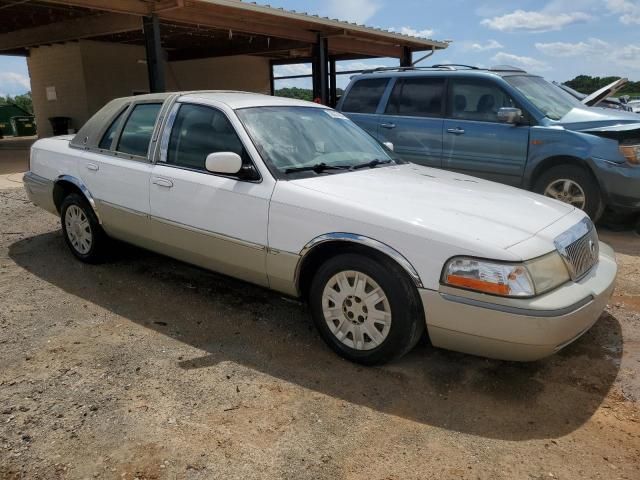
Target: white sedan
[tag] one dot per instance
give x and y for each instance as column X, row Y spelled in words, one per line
column 295, row 197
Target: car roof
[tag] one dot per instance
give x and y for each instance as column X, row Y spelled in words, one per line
column 237, row 99
column 439, row 70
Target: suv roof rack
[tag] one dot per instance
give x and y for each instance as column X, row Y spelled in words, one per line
column 439, row 66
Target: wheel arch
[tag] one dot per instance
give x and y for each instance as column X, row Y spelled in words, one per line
column 323, row 247
column 64, row 185
column 556, row 160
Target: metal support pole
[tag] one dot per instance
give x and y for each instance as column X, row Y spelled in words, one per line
column 272, row 82
column 155, row 55
column 406, row 60
column 333, row 95
column 320, row 72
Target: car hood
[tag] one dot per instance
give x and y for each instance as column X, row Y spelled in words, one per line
column 585, row 119
column 437, row 204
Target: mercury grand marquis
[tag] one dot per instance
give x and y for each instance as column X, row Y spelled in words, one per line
column 295, row 197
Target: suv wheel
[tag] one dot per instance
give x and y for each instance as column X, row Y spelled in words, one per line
column 82, row 232
column 366, row 310
column 573, row 185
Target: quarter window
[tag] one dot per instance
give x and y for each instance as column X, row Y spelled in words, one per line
column 471, row 100
column 199, row 131
column 138, row 130
column 107, row 138
column 417, row 97
column 365, row 95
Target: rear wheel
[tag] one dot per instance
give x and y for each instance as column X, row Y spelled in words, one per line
column 367, row 311
column 82, row 231
column 572, row 185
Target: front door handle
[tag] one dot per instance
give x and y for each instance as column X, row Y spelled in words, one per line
column 388, row 125
column 162, row 182
column 455, row 131
column 93, row 167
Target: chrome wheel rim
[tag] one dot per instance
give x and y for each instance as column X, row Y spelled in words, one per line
column 567, row 191
column 78, row 229
column 356, row 310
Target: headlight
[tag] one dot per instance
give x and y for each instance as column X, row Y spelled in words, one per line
column 631, row 153
column 506, row 279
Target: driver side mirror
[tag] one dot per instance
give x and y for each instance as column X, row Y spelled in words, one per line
column 510, row 115
column 227, row 163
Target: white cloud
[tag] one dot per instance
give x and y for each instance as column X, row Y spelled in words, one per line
column 490, row 45
column 629, row 11
column 15, row 83
column 528, row 63
column 358, row 11
column 292, row 69
column 521, row 20
column 412, row 32
column 565, row 49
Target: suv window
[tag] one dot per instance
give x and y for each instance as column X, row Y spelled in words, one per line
column 417, row 97
column 365, row 95
column 107, row 138
column 137, row 132
column 199, row 131
column 473, row 100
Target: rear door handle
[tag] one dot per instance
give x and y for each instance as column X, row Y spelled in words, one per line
column 162, row 182
column 93, row 167
column 388, row 125
column 455, row 131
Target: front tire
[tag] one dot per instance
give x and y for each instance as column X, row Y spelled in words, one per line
column 572, row 185
column 367, row 310
column 82, row 231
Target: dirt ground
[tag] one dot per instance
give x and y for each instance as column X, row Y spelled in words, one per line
column 148, row 368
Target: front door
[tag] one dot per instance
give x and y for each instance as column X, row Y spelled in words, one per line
column 475, row 142
column 412, row 120
column 218, row 222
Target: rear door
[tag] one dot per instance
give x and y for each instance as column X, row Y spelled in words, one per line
column 361, row 103
column 413, row 119
column 118, row 173
column 475, row 142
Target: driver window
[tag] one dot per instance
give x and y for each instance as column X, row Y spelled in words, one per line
column 198, row 131
column 471, row 100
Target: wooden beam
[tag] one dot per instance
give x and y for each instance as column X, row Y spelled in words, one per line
column 226, row 49
column 352, row 45
column 85, row 27
column 136, row 7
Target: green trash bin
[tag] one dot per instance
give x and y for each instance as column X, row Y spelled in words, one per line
column 23, row 126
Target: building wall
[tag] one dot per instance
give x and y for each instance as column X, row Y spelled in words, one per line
column 87, row 74
column 60, row 67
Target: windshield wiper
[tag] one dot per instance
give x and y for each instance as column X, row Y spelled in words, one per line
column 318, row 168
column 371, row 164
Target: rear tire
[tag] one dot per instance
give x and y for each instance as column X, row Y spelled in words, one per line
column 82, row 231
column 572, row 185
column 367, row 310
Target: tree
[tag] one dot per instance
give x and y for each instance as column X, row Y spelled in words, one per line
column 23, row 101
column 587, row 84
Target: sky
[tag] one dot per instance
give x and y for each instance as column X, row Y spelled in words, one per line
column 558, row 39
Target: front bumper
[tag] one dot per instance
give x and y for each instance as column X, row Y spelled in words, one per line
column 40, row 191
column 519, row 329
column 620, row 183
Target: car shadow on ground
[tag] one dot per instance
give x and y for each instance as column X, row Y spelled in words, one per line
column 233, row 321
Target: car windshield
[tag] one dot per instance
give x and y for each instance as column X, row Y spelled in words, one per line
column 311, row 140
column 550, row 99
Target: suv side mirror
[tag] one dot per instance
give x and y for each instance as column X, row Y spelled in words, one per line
column 510, row 115
column 228, row 163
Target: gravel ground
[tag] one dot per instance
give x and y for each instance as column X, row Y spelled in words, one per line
column 148, row 368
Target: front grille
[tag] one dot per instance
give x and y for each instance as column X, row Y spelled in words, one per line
column 579, row 248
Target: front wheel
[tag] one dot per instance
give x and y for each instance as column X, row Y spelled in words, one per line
column 367, row 311
column 572, row 185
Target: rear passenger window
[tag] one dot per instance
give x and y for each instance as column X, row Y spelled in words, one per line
column 417, row 97
column 365, row 95
column 137, row 132
column 480, row 101
column 107, row 138
column 199, row 131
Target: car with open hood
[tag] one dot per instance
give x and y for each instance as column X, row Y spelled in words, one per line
column 295, row 197
column 505, row 125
